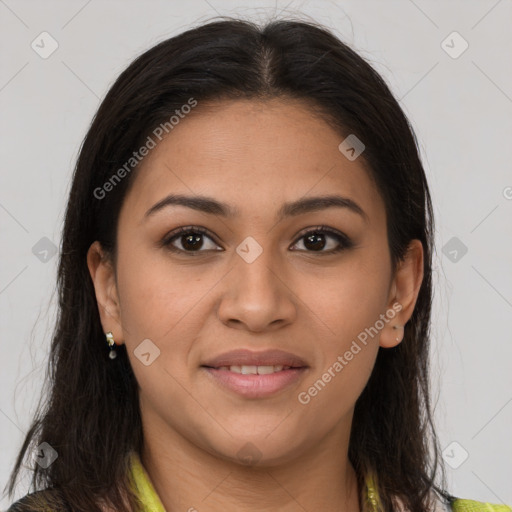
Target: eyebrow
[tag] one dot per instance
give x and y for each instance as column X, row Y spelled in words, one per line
column 211, row 206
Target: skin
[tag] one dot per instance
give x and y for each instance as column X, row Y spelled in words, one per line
column 254, row 156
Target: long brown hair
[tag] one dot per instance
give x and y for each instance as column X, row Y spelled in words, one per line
column 91, row 414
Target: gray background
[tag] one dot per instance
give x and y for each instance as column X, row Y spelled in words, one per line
column 460, row 108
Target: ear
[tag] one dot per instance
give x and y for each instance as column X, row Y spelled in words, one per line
column 403, row 294
column 103, row 278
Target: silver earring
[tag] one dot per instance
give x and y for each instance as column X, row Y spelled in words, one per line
column 398, row 327
column 110, row 340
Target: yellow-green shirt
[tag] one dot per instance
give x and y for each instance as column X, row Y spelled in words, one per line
column 152, row 503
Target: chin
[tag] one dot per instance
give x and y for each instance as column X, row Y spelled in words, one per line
column 258, row 451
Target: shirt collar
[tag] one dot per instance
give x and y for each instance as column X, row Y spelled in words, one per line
column 143, row 486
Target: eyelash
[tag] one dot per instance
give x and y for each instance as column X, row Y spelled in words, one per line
column 344, row 241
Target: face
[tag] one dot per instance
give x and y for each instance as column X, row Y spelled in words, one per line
column 287, row 286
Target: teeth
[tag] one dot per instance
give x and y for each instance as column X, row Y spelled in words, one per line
column 254, row 370
column 265, row 370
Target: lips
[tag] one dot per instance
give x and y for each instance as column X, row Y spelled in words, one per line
column 256, row 375
column 249, row 358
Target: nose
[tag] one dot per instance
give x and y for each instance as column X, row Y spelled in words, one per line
column 257, row 296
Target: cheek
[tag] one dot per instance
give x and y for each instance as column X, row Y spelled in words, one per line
column 330, row 396
column 350, row 298
column 155, row 295
column 348, row 306
column 164, row 303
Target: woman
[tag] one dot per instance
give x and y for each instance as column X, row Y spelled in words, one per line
column 245, row 290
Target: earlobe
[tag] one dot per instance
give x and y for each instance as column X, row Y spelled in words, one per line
column 103, row 278
column 404, row 294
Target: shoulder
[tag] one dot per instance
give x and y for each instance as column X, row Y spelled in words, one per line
column 47, row 500
column 460, row 505
column 445, row 502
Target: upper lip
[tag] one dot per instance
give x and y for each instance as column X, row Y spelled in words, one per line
column 243, row 357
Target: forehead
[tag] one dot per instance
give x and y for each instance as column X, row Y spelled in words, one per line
column 254, row 155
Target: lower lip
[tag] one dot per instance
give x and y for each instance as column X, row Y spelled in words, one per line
column 256, row 386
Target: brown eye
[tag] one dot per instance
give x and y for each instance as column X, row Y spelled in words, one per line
column 317, row 240
column 190, row 240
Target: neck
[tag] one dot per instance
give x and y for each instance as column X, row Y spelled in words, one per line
column 188, row 478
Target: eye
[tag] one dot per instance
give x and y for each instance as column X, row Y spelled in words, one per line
column 316, row 240
column 191, row 239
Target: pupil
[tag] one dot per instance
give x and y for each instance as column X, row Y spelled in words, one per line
column 192, row 241
column 316, row 240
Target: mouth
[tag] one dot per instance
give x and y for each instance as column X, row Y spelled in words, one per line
column 254, row 370
column 255, row 374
